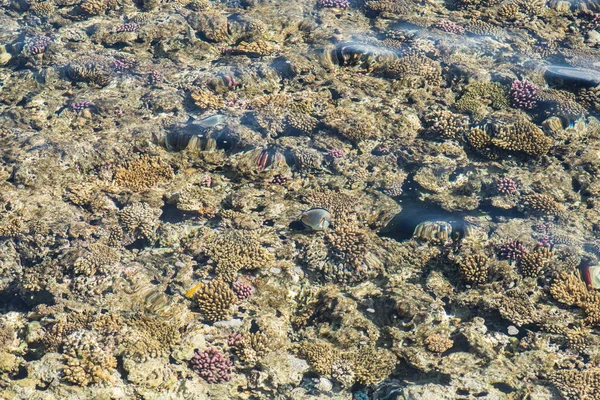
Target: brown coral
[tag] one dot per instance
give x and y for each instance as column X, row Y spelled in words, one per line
column 522, row 136
column 543, row 204
column 574, row 384
column 320, row 355
column 533, row 264
column 474, row 268
column 215, row 300
column 94, row 7
column 437, row 343
column 415, row 71
column 479, row 138
column 140, row 220
column 518, row 308
column 143, row 173
column 237, row 250
column 86, row 361
column 351, row 125
column 92, row 69
column 446, row 124
column 205, row 100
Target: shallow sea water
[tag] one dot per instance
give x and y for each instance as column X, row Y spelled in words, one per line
column 313, row 199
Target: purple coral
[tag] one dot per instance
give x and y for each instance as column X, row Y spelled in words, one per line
column 280, row 180
column 80, row 105
column 513, row 250
column 155, row 77
column 336, row 153
column 130, row 27
column 235, row 339
column 36, row 45
column 524, row 94
column 334, row 3
column 212, row 365
column 242, row 290
column 506, row 186
column 450, row 27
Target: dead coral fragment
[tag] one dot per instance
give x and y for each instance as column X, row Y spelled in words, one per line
column 143, row 173
column 86, row 361
column 475, row 268
column 215, row 300
column 237, row 250
column 522, row 136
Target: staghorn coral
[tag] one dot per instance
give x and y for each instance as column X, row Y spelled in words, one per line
column 474, row 268
column 523, row 137
column 142, row 173
column 534, row 263
column 212, row 365
column 543, row 204
column 334, row 3
column 140, row 220
column 414, row 71
column 258, row 47
column 437, row 343
column 574, row 384
column 237, row 250
column 509, row 11
column 86, row 361
column 215, row 300
column 446, row 124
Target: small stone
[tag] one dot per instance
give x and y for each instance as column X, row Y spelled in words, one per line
column 513, row 331
column 232, row 324
column 593, row 37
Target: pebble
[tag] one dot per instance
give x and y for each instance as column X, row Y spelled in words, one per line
column 512, row 330
column 233, row 324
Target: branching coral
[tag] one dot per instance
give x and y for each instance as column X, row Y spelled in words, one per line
column 446, row 124
column 140, row 220
column 474, row 268
column 533, row 264
column 237, row 250
column 543, row 204
column 523, row 136
column 415, row 71
column 215, row 300
column 574, row 384
column 212, row 365
column 95, row 70
column 143, row 173
column 86, row 361
column 478, row 95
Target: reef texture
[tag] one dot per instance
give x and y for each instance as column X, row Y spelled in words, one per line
column 159, row 159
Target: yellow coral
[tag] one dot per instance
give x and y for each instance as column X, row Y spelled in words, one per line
column 143, row 173
column 215, row 300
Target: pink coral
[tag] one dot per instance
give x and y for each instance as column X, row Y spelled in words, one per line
column 242, row 290
column 336, row 153
column 450, row 27
column 524, row 94
column 506, row 186
column 513, row 250
column 212, row 365
column 334, row 3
